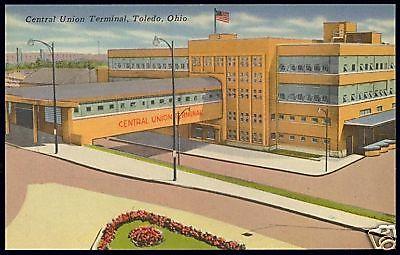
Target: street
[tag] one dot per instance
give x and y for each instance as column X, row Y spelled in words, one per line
column 26, row 167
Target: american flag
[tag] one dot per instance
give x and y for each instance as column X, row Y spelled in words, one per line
column 222, row 16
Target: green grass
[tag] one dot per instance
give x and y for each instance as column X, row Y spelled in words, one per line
column 297, row 154
column 171, row 241
column 278, row 191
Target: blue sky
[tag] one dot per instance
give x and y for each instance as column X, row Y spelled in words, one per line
column 292, row 21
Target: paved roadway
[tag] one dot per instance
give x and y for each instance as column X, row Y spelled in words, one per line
column 367, row 183
column 25, row 167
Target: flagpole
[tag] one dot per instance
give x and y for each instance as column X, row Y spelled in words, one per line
column 215, row 21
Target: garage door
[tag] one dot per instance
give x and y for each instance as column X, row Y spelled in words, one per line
column 24, row 115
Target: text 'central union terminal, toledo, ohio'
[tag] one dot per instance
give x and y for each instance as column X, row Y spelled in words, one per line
column 254, row 93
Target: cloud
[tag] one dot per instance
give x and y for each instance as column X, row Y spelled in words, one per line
column 384, row 26
column 246, row 18
column 315, row 23
column 203, row 21
column 270, row 30
column 15, row 22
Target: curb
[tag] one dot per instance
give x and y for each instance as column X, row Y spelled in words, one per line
column 205, row 190
column 235, row 162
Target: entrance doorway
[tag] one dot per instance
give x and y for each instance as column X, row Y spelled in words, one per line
column 349, row 145
column 24, row 116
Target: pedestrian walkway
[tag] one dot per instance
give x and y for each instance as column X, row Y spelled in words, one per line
column 138, row 169
column 243, row 156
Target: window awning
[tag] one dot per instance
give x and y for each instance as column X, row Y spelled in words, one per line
column 373, row 120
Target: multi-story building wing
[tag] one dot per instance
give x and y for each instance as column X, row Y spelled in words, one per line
column 347, row 80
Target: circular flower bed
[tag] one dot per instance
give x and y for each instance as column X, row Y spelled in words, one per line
column 146, row 236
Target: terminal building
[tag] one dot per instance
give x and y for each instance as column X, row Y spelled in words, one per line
column 257, row 93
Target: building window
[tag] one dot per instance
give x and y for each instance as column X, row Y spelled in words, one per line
column 273, row 116
column 152, row 102
column 187, row 99
column 257, row 77
column 281, row 116
column 314, row 140
column 365, row 112
column 207, row 61
column 257, row 61
column 291, row 117
column 100, row 108
column 326, row 121
column 379, row 108
column 244, row 61
column 260, row 118
column 219, row 61
column 273, row 136
column 291, row 137
column 88, row 109
column 303, row 118
column 314, row 120
column 231, row 61
column 195, row 61
column 244, row 77
column 326, row 140
column 231, row 77
column 76, row 109
column 302, row 139
column 161, row 101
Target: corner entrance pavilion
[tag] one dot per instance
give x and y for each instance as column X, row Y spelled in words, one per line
column 367, row 130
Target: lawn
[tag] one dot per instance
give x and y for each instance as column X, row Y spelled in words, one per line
column 172, row 240
column 297, row 154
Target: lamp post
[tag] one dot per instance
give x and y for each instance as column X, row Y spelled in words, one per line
column 156, row 42
column 179, row 136
column 31, row 42
column 326, row 136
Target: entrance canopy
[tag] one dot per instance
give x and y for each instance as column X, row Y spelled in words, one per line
column 373, row 120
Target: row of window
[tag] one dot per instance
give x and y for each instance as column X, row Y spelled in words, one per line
column 303, row 98
column 244, row 93
column 301, row 138
column 245, row 117
column 244, row 77
column 244, row 61
column 301, row 118
column 335, row 64
column 158, row 63
column 310, row 93
column 135, row 104
column 244, row 136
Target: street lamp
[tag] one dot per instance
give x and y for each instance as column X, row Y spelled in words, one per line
column 326, row 136
column 179, row 136
column 156, row 42
column 31, row 42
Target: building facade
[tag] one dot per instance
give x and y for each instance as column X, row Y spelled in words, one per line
column 276, row 91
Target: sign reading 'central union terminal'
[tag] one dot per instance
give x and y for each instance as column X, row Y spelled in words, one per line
column 156, row 119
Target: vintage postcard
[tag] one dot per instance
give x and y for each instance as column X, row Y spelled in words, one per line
column 200, row 127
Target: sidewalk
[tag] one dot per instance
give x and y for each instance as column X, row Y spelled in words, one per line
column 238, row 155
column 134, row 168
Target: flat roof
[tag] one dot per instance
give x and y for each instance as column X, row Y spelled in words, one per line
column 373, row 120
column 87, row 92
